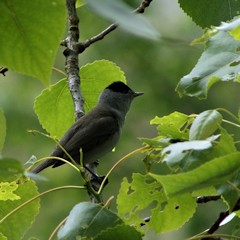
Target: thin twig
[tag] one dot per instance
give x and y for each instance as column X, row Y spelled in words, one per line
column 3, row 70
column 205, row 199
column 71, row 53
column 222, row 216
column 82, row 46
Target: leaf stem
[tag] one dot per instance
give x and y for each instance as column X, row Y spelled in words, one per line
column 211, row 236
column 57, row 228
column 229, row 113
column 120, row 161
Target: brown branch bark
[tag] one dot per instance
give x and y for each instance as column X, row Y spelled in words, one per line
column 82, row 46
column 71, row 53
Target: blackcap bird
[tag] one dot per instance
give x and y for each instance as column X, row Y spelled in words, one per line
column 97, row 132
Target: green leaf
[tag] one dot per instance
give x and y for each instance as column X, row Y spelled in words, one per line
column 177, row 211
column 54, row 109
column 215, row 11
column 205, row 124
column 145, row 195
column 118, row 11
column 174, row 153
column 2, row 237
column 219, row 62
column 122, row 231
column 137, row 199
column 31, row 40
column 10, row 169
column 174, row 125
column 95, row 77
column 6, row 191
column 220, row 148
column 2, row 129
column 54, row 106
column 15, row 226
column 87, row 220
column 212, row 173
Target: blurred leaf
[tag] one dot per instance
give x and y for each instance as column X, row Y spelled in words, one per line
column 2, row 129
column 173, row 125
column 219, row 62
column 122, row 14
column 165, row 214
column 80, row 3
column 6, row 191
column 30, row 41
column 205, row 124
column 10, row 169
column 2, row 237
column 233, row 27
column 54, row 106
column 122, row 231
column 211, row 173
column 15, row 226
column 211, row 12
column 87, row 220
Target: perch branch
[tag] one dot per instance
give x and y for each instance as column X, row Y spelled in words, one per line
column 82, row 46
column 71, row 53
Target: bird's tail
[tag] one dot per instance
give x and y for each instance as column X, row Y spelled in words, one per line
column 43, row 165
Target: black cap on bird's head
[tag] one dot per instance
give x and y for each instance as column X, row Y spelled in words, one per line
column 121, row 87
column 118, row 96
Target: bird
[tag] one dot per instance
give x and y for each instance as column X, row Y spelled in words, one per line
column 98, row 131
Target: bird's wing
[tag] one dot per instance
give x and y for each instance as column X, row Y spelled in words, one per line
column 89, row 133
column 92, row 134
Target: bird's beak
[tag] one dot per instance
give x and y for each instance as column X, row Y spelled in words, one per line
column 136, row 94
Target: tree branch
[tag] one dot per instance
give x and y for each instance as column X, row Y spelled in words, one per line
column 205, row 199
column 82, row 46
column 71, row 53
column 222, row 216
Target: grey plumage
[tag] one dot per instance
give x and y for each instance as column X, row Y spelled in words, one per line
column 98, row 132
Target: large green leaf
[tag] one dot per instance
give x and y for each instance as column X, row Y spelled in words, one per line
column 118, row 11
column 122, row 231
column 31, row 33
column 210, row 12
column 141, row 193
column 212, row 173
column 87, row 220
column 54, row 106
column 2, row 129
column 219, row 62
column 177, row 211
column 10, row 169
column 15, row 226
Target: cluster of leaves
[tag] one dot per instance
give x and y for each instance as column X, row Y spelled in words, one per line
column 201, row 159
column 198, row 154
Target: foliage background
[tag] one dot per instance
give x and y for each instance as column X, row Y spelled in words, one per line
column 154, row 67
